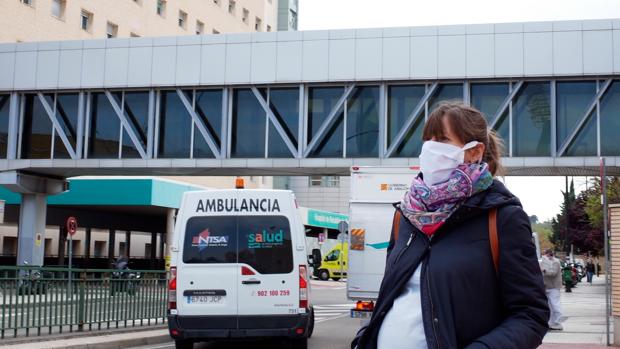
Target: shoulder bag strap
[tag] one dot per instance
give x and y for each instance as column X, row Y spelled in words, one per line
column 396, row 224
column 493, row 239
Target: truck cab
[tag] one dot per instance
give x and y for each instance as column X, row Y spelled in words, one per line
column 335, row 263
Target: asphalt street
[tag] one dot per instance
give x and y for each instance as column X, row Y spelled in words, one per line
column 334, row 328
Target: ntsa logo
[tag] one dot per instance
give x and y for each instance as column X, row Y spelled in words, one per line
column 205, row 239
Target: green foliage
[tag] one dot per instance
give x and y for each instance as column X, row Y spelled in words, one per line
column 593, row 201
column 545, row 232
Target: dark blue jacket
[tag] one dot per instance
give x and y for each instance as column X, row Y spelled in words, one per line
column 465, row 302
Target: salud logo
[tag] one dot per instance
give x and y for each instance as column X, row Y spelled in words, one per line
column 205, row 239
column 265, row 239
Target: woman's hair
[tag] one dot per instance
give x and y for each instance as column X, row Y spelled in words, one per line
column 468, row 124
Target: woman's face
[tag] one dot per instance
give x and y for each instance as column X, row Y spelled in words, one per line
column 471, row 155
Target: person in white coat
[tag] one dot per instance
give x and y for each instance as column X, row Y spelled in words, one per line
column 552, row 275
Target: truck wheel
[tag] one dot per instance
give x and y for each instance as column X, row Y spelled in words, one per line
column 311, row 322
column 299, row 343
column 323, row 275
column 183, row 344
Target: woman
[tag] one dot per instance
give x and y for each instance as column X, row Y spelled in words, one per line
column 589, row 270
column 441, row 288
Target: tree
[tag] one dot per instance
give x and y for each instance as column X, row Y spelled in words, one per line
column 593, row 203
column 533, row 219
column 561, row 234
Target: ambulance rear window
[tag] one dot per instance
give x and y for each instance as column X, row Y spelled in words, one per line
column 262, row 242
column 265, row 244
column 210, row 240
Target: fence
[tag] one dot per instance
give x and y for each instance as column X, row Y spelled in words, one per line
column 39, row 300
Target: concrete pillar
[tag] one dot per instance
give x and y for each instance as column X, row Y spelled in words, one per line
column 32, row 213
column 153, row 250
column 62, row 244
column 111, row 245
column 127, row 244
column 87, row 242
column 169, row 235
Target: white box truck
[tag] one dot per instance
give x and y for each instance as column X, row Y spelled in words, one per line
column 374, row 190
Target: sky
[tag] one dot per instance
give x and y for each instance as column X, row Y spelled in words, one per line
column 540, row 196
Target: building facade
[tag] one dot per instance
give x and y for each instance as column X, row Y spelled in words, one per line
column 288, row 14
column 47, row 20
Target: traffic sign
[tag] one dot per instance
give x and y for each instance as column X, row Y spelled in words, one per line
column 71, row 225
column 321, row 238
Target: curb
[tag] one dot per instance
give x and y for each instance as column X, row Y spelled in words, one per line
column 121, row 344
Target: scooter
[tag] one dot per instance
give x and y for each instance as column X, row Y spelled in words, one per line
column 124, row 279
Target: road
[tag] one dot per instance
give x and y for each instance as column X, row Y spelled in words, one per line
column 334, row 328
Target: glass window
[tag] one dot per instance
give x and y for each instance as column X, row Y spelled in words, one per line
column 86, row 20
column 58, row 8
column 321, row 100
column 265, row 243
column 136, row 107
column 209, row 110
column 315, row 181
column 447, row 92
column 284, row 103
column 67, row 109
column 503, row 130
column 37, row 129
column 161, row 8
column 532, row 120
column 200, row 28
column 258, row 24
column 610, row 122
column 572, row 99
column 183, row 19
column 5, row 106
column 488, row 97
column 231, row 6
column 246, row 16
column 111, row 30
column 104, row 129
column 363, row 122
column 174, row 127
column 585, row 142
column 262, row 242
column 333, row 256
column 210, row 240
column 402, row 100
column 248, row 126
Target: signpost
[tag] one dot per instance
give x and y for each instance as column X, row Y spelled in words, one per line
column 343, row 227
column 71, row 229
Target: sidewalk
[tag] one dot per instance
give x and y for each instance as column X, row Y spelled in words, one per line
column 584, row 313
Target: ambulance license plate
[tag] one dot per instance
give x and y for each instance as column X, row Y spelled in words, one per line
column 205, row 300
column 361, row 314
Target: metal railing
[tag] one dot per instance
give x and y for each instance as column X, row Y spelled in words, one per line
column 39, row 300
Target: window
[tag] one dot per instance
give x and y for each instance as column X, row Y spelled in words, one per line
column 122, row 248
column 268, row 28
column 134, row 35
column 200, row 28
column 138, row 2
column 9, row 246
column 246, row 16
column 324, row 181
column 258, row 24
column 58, row 8
column 28, row 2
column 293, row 20
column 111, row 30
column 248, row 125
column 232, row 4
column 183, row 19
column 333, row 256
column 217, row 2
column 263, row 242
column 315, row 181
column 161, row 8
column 147, row 250
column 86, row 20
column 215, row 31
column 100, row 249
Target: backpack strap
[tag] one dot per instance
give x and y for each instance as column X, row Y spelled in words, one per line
column 396, row 224
column 493, row 239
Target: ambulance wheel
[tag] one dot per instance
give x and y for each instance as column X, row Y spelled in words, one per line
column 323, row 275
column 299, row 343
column 311, row 322
column 183, row 344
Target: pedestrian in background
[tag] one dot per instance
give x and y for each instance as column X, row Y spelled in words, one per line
column 443, row 286
column 551, row 269
column 589, row 270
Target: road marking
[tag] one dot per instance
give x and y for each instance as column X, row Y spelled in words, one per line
column 326, row 312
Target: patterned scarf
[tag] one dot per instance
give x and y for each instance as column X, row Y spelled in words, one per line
column 428, row 207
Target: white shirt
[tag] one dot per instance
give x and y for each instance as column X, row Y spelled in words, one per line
column 402, row 327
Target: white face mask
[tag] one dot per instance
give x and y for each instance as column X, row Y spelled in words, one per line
column 438, row 160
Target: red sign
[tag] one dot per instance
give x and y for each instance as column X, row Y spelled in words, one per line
column 71, row 225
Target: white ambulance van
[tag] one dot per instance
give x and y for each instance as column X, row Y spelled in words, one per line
column 239, row 268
